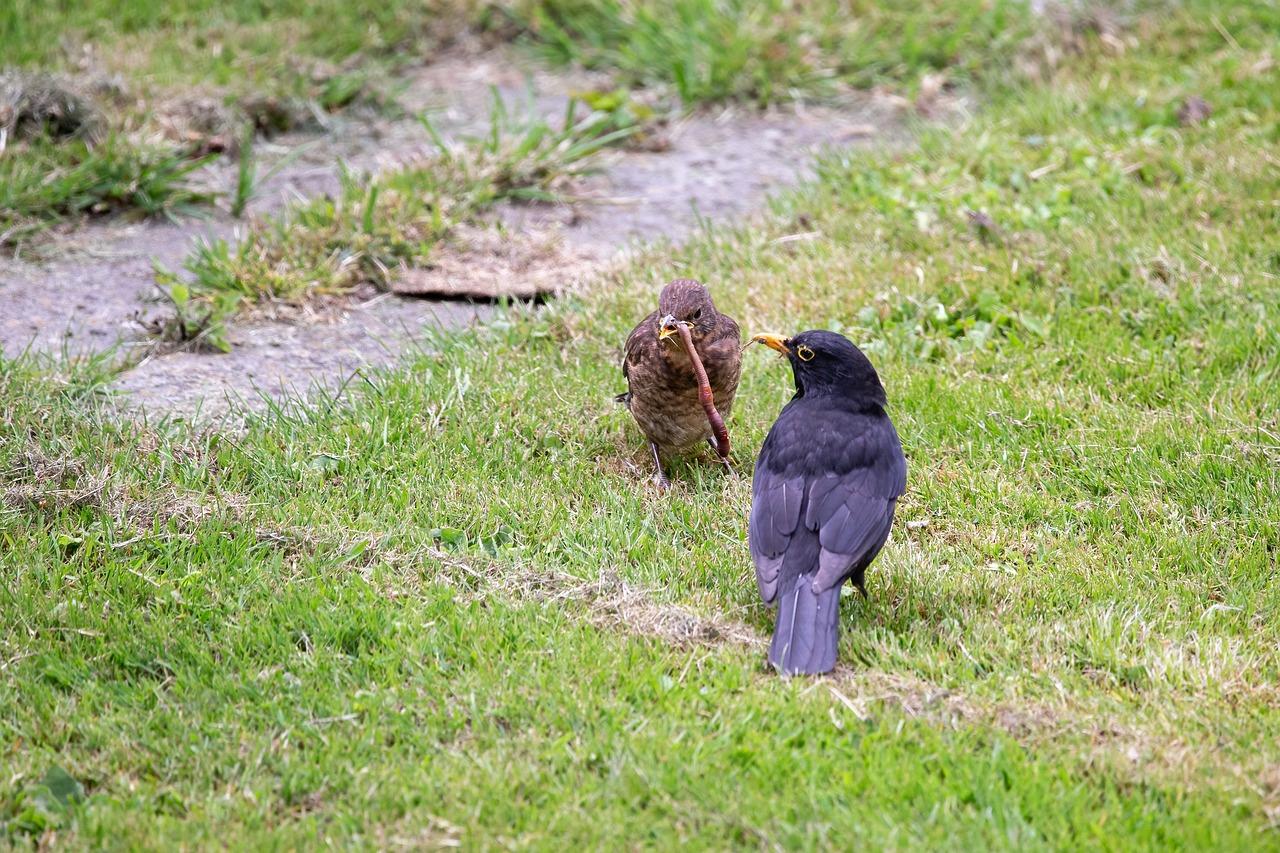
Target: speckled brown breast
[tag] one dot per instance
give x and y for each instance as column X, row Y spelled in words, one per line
column 663, row 393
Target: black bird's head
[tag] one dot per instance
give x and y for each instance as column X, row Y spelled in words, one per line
column 828, row 363
column 685, row 301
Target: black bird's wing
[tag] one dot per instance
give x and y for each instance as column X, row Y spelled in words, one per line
column 825, row 486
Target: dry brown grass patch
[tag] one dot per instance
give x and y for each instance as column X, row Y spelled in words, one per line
column 34, row 104
column 42, row 483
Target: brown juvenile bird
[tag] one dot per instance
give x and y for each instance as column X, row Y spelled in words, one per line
column 662, row 390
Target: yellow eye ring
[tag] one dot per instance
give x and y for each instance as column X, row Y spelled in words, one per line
column 804, row 352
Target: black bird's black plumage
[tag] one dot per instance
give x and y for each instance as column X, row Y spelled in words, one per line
column 826, row 483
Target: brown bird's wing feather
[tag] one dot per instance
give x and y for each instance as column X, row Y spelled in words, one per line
column 721, row 354
column 642, row 339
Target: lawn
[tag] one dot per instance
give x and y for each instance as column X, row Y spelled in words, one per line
column 448, row 606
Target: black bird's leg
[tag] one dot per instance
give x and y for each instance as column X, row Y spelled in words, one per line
column 663, row 482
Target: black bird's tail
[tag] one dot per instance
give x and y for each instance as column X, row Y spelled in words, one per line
column 804, row 637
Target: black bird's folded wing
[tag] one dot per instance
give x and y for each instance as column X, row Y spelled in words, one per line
column 775, row 514
column 828, row 473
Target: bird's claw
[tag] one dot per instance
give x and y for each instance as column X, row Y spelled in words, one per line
column 724, row 460
column 659, row 476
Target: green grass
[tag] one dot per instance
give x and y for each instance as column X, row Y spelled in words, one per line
column 224, row 43
column 44, row 182
column 706, row 49
column 336, row 627
column 713, row 50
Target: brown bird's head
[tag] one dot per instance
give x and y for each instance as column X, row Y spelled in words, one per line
column 685, row 301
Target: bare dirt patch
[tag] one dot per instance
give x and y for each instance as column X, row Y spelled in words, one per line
column 271, row 360
column 613, row 603
column 719, row 165
column 489, row 263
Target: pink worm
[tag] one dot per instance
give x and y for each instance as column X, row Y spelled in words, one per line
column 705, row 397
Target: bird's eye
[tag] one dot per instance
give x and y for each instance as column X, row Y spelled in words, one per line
column 804, row 352
column 696, row 315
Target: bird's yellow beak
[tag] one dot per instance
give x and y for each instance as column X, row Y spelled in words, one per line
column 774, row 342
column 667, row 327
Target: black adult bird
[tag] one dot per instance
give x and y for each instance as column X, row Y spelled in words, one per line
column 826, row 483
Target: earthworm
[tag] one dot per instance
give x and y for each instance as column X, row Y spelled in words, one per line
column 705, row 397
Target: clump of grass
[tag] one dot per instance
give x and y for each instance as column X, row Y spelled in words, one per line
column 36, row 104
column 246, row 175
column 248, row 181
column 43, row 181
column 713, row 50
column 647, row 123
column 527, row 159
column 59, row 159
column 199, row 323
column 377, row 224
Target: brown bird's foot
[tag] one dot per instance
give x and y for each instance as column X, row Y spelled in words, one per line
column 724, row 460
column 661, row 476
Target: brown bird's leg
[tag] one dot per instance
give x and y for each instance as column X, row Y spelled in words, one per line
column 663, row 482
column 724, row 460
column 705, row 397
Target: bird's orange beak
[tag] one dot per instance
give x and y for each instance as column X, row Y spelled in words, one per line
column 774, row 342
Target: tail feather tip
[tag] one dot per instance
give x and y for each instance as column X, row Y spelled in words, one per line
column 806, row 631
